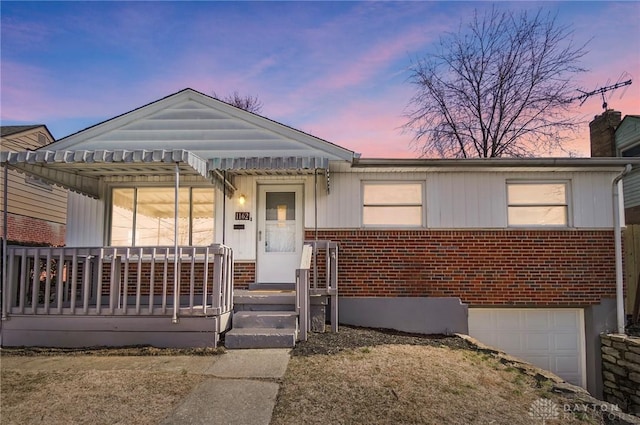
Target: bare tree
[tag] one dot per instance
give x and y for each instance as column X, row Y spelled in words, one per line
column 498, row 87
column 248, row 103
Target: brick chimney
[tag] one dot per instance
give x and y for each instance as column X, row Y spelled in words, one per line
column 602, row 132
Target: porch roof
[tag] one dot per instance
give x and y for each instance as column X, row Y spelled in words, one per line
column 81, row 171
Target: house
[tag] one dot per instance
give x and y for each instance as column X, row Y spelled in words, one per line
column 613, row 136
column 28, row 222
column 520, row 253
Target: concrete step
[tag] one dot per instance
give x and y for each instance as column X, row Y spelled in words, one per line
column 244, row 300
column 265, row 319
column 281, row 286
column 260, row 338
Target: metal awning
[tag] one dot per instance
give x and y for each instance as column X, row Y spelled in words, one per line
column 81, row 171
column 270, row 165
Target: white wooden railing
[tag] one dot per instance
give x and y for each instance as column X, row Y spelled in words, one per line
column 317, row 256
column 118, row 281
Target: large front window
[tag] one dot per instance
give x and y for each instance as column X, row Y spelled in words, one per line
column 145, row 216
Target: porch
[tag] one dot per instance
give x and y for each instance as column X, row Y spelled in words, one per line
column 75, row 297
column 119, row 296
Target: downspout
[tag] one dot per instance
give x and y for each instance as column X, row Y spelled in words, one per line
column 5, row 236
column 176, row 289
column 617, row 238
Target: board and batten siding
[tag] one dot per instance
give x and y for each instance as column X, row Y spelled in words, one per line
column 455, row 200
column 26, row 196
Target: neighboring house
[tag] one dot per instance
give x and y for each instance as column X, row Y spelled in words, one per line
column 518, row 252
column 612, row 136
column 37, row 210
column 627, row 141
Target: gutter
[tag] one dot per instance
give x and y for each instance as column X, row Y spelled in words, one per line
column 492, row 162
column 617, row 237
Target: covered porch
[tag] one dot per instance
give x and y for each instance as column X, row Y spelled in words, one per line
column 167, row 296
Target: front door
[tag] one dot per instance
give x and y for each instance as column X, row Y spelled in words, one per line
column 280, row 233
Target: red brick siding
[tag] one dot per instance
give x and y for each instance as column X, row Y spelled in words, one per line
column 482, row 267
column 243, row 275
column 29, row 230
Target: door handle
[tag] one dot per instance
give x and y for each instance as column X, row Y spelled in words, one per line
column 259, row 235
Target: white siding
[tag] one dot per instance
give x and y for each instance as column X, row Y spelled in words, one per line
column 467, row 199
column 85, row 221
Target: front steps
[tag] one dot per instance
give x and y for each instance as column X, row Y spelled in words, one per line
column 263, row 319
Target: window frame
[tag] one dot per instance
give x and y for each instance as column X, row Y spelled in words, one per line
column 135, row 187
column 364, row 183
column 567, row 202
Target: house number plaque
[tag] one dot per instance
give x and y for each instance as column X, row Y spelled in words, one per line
column 243, row 216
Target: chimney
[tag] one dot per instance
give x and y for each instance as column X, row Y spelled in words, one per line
column 602, row 132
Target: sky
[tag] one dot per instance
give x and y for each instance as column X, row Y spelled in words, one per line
column 337, row 70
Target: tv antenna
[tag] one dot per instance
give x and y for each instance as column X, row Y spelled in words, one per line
column 602, row 90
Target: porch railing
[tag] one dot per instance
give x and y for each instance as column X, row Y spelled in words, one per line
column 318, row 275
column 118, row 281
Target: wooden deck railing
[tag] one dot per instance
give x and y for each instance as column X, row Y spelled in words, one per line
column 118, row 281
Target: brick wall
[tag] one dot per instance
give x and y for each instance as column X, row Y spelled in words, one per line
column 602, row 133
column 482, row 267
column 29, row 230
column 243, row 275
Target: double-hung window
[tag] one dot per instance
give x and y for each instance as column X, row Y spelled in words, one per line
column 145, row 216
column 393, row 204
column 538, row 203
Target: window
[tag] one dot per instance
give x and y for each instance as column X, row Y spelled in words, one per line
column 145, row 216
column 537, row 204
column 392, row 204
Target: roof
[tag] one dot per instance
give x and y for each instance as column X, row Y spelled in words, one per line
column 206, row 126
column 8, row 130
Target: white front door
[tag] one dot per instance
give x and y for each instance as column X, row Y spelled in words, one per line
column 280, row 232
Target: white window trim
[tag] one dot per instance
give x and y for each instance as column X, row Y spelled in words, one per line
column 567, row 204
column 423, row 209
column 138, row 185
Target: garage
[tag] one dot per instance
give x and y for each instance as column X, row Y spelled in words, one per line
column 552, row 339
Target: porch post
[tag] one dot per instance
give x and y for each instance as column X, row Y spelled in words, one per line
column 176, row 289
column 315, row 202
column 5, row 236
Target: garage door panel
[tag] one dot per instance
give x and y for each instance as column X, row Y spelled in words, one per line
column 565, row 342
column 537, row 341
column 552, row 339
column 536, row 319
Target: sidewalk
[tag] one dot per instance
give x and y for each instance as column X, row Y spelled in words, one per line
column 241, row 388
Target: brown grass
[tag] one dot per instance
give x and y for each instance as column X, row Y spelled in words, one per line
column 404, row 384
column 91, row 397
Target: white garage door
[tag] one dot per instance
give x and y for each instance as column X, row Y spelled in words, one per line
column 552, row 339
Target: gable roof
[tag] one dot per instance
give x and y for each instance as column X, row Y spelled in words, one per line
column 8, row 130
column 13, row 130
column 210, row 128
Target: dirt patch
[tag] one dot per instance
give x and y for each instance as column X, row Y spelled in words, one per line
column 350, row 337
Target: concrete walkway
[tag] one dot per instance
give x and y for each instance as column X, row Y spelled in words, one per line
column 241, row 388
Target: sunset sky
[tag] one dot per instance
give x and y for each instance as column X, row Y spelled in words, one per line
column 337, row 70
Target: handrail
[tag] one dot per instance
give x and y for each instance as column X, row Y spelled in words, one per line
column 118, row 281
column 324, row 253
